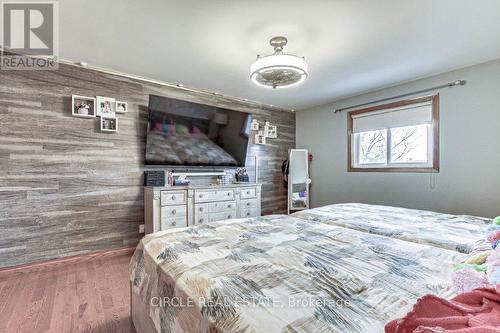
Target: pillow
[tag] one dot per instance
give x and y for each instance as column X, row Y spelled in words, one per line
column 181, row 129
column 158, row 127
column 467, row 279
column 195, row 130
column 493, row 236
column 478, row 270
column 496, row 220
column 492, row 227
column 169, row 129
column 479, row 258
column 493, row 267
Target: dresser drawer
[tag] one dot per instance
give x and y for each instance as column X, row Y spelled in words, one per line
column 248, row 203
column 222, row 216
column 221, row 206
column 173, row 211
column 201, row 208
column 201, row 219
column 173, row 198
column 204, row 196
column 173, row 222
column 224, row 195
column 214, row 195
column 248, row 212
column 248, row 193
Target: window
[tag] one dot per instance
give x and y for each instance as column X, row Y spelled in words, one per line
column 397, row 137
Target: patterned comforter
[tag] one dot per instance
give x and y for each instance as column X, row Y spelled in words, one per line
column 453, row 232
column 283, row 274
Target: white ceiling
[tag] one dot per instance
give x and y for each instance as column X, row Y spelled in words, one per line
column 351, row 45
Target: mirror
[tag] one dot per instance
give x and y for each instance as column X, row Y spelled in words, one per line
column 298, row 180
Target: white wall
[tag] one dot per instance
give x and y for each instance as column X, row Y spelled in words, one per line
column 469, row 180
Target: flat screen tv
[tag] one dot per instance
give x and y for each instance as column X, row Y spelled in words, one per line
column 183, row 133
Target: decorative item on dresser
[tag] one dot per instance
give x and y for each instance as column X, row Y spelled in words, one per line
column 154, row 178
column 182, row 206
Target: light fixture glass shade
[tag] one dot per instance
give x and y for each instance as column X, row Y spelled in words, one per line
column 278, row 71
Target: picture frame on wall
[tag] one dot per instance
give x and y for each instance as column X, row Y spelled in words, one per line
column 83, row 106
column 109, row 124
column 121, row 107
column 260, row 138
column 271, row 131
column 106, row 106
column 254, row 126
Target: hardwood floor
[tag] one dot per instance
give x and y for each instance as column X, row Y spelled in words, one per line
column 87, row 294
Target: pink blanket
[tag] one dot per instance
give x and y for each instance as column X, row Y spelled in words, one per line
column 477, row 311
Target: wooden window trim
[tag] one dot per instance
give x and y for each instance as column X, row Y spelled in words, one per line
column 435, row 130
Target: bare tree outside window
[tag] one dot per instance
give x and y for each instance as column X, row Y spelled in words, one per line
column 409, row 144
column 373, row 147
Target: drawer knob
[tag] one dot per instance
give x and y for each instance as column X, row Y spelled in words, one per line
column 229, row 216
column 173, row 197
column 228, row 206
column 201, row 195
column 201, row 209
column 248, row 213
column 174, row 223
column 173, row 212
column 228, row 194
column 248, row 192
column 248, row 203
column 200, row 221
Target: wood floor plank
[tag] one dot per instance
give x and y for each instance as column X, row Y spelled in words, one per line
column 46, row 292
column 60, row 309
column 90, row 295
column 9, row 298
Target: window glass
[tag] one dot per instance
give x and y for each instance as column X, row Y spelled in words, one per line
column 373, row 147
column 409, row 144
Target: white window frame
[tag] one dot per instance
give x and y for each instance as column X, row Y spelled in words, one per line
column 432, row 164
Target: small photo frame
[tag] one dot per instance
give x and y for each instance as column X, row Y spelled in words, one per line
column 260, row 138
column 121, row 107
column 109, row 124
column 83, row 106
column 254, row 125
column 105, row 106
column 271, row 131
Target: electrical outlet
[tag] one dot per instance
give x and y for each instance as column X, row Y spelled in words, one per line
column 141, row 228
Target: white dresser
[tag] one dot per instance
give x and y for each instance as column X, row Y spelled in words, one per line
column 182, row 206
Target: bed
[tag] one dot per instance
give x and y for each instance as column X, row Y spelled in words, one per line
column 300, row 273
column 452, row 232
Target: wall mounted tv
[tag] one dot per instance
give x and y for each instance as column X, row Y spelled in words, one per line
column 182, row 133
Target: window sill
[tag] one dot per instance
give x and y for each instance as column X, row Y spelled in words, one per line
column 407, row 170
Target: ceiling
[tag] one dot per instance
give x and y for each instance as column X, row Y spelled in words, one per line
column 352, row 46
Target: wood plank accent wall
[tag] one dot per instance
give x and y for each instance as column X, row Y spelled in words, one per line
column 66, row 188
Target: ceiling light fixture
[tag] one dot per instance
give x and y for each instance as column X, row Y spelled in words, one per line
column 278, row 70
